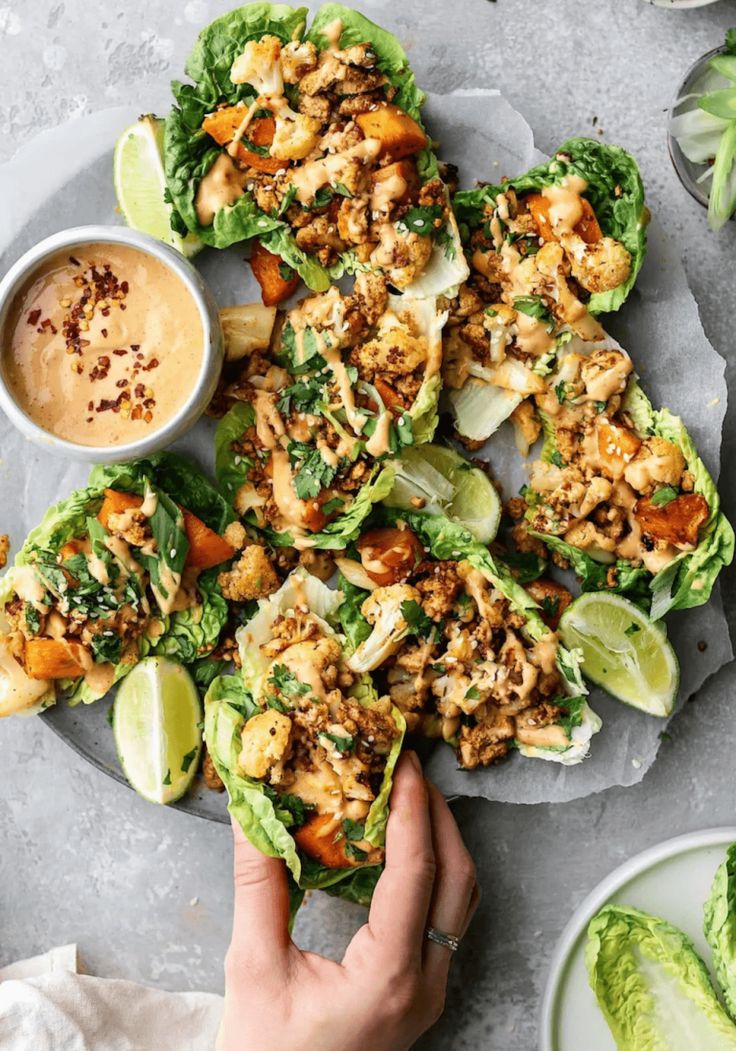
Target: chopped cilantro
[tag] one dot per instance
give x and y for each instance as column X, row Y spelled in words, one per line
column 332, row 505
column 344, row 743
column 420, row 220
column 313, row 472
column 556, row 459
column 355, row 852
column 321, row 199
column 632, row 629
column 342, row 189
column 560, row 389
column 438, row 668
column 533, row 306
column 303, row 396
column 664, row 496
column 600, row 406
column 446, row 241
column 167, row 779
column 287, row 201
column 472, row 693
column 187, row 760
column 296, row 807
column 32, row 618
column 107, row 646
column 285, row 681
column 526, row 566
column 285, row 271
column 550, row 605
column 417, row 621
column 354, row 830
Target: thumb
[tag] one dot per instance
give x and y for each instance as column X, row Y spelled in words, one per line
column 261, row 911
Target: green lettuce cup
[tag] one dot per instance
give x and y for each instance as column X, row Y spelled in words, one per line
column 312, row 143
column 548, row 250
column 461, row 648
column 123, row 568
column 304, row 746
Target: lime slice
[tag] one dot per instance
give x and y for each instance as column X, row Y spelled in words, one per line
column 138, row 174
column 625, row 652
column 436, row 478
column 156, row 723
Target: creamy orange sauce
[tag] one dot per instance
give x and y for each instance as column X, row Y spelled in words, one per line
column 220, row 188
column 103, row 345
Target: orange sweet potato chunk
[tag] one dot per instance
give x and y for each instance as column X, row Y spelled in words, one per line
column 405, row 170
column 677, row 522
column 206, row 547
column 317, row 841
column 115, row 503
column 399, row 134
column 587, row 227
column 266, row 267
column 53, row 659
column 224, row 123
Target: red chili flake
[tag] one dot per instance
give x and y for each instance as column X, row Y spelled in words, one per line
column 122, row 306
column 147, row 416
column 89, row 419
column 33, row 317
column 152, row 364
column 105, row 313
column 104, row 361
column 139, row 390
column 106, row 404
column 149, row 403
column 124, row 287
column 135, row 347
column 83, row 342
column 136, row 413
column 90, row 406
column 74, row 261
column 104, row 332
column 121, row 383
column 119, row 352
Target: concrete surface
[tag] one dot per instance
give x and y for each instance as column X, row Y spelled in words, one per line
column 146, row 892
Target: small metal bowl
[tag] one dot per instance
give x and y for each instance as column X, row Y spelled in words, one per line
column 688, row 172
column 212, row 350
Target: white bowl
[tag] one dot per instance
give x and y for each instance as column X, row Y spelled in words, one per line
column 212, row 351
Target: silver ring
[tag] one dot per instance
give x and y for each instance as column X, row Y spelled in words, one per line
column 449, row 941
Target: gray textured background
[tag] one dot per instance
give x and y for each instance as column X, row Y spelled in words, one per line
column 146, row 892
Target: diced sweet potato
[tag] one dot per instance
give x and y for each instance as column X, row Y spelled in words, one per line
column 115, row 503
column 399, row 134
column 206, row 547
column 317, row 839
column 267, row 270
column 676, row 522
column 53, row 659
column 70, row 549
column 389, row 554
column 617, row 446
column 391, row 399
column 554, row 599
column 222, row 126
column 587, row 227
column 393, row 176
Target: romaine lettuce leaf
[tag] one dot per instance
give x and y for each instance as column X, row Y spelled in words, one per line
column 719, row 926
column 652, row 986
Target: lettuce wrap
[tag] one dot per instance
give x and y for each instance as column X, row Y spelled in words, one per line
column 463, row 647
column 288, row 742
column 122, row 568
column 267, row 101
column 549, row 250
column 305, row 451
column 620, row 491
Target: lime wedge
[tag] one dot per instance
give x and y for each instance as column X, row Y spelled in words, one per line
column 436, row 479
column 625, row 652
column 156, row 723
column 138, row 174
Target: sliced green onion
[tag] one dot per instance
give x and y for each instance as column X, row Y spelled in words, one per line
column 723, row 192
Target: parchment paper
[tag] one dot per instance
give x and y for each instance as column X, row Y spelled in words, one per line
column 659, row 326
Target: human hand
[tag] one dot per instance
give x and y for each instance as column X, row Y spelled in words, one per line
column 391, row 984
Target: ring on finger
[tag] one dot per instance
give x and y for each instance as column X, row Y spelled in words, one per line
column 448, row 941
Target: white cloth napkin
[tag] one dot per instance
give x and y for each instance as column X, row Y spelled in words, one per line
column 45, row 1006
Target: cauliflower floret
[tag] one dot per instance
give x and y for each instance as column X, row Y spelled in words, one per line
column 527, row 426
column 235, row 535
column 604, row 373
column 251, row 577
column 260, row 66
column 598, row 491
column 585, row 536
column 457, row 358
column 384, row 609
column 297, row 59
column 295, row 136
column 403, row 256
column 600, row 266
column 265, row 740
column 656, row 461
column 395, row 350
column 131, row 526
